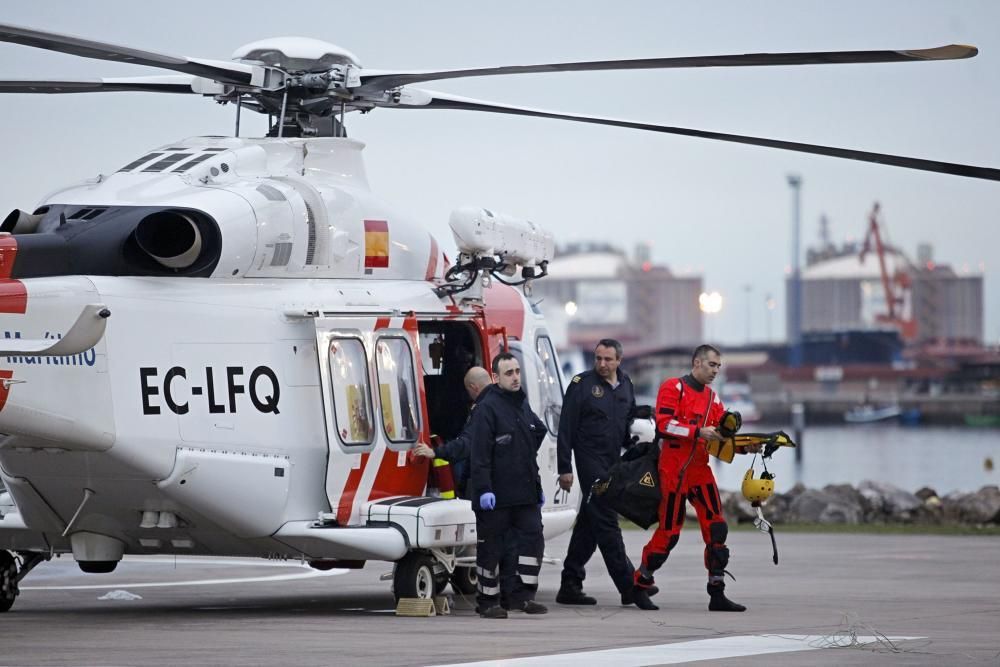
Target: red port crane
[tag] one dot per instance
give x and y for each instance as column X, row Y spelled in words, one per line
column 894, row 286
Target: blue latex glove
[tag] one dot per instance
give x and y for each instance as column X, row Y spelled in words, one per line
column 487, row 501
column 541, row 498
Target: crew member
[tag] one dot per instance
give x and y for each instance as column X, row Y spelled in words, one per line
column 506, row 488
column 687, row 414
column 594, row 427
column 456, row 452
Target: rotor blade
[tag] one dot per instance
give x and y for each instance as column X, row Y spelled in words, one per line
column 234, row 73
column 147, row 84
column 373, row 80
column 425, row 99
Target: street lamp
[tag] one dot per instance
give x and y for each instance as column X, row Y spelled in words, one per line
column 795, row 298
column 746, row 290
column 710, row 303
column 771, row 305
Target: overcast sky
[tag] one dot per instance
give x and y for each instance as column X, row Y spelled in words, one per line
column 718, row 209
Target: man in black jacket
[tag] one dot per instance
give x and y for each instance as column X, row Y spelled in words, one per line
column 457, row 451
column 594, row 425
column 506, row 488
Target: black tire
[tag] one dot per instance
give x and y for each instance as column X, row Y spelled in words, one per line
column 441, row 580
column 414, row 576
column 8, row 587
column 464, row 580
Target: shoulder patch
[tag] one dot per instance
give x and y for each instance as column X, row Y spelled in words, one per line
column 577, row 378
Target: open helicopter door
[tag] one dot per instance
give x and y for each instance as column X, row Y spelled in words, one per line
column 372, row 409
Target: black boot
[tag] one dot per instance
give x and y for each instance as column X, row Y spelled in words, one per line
column 572, row 593
column 640, row 598
column 628, row 596
column 493, row 612
column 718, row 600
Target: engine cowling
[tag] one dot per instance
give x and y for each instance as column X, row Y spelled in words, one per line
column 69, row 239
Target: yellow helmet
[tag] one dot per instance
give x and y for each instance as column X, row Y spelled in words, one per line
column 760, row 489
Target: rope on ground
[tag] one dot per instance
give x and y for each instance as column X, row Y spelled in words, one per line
column 856, row 633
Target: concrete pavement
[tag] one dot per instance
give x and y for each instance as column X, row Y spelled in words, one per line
column 828, row 589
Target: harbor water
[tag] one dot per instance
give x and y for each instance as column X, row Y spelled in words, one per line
column 946, row 459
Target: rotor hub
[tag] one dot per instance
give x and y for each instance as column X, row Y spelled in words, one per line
column 295, row 54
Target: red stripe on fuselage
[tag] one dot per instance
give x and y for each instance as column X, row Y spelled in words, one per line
column 4, row 387
column 350, row 490
column 13, row 297
column 8, row 251
column 13, row 293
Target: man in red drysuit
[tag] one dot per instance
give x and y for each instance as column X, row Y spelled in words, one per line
column 688, row 412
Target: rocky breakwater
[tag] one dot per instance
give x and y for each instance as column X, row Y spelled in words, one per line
column 870, row 503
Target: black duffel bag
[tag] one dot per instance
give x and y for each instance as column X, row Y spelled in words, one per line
column 633, row 485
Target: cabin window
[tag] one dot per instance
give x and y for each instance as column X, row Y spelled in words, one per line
column 397, row 389
column 549, row 384
column 351, row 393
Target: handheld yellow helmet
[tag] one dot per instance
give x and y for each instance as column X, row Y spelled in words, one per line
column 757, row 490
column 730, row 423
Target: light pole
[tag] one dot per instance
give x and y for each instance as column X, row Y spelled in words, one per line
column 795, row 296
column 770, row 303
column 746, row 290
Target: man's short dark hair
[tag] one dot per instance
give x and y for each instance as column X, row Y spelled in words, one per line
column 503, row 356
column 702, row 351
column 611, row 342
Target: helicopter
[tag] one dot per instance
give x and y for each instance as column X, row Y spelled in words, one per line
column 230, row 346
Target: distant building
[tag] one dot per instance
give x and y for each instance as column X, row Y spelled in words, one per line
column 595, row 291
column 842, row 292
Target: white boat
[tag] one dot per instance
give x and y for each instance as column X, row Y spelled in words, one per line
column 868, row 414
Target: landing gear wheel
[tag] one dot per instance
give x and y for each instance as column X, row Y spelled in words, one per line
column 8, row 581
column 464, row 580
column 415, row 576
column 441, row 580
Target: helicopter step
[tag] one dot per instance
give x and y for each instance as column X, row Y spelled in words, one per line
column 428, row 522
column 394, row 526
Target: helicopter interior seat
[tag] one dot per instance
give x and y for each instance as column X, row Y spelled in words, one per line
column 451, row 344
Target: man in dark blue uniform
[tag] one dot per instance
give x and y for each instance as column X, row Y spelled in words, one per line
column 594, row 426
column 506, row 488
column 457, row 451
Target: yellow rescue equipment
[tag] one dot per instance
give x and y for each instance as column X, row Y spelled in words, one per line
column 757, row 490
column 726, row 450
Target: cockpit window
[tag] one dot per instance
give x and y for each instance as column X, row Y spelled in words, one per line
column 549, row 383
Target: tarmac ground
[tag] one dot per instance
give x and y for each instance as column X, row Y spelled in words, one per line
column 834, row 599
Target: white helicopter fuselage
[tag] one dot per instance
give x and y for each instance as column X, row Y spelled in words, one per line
column 268, row 408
